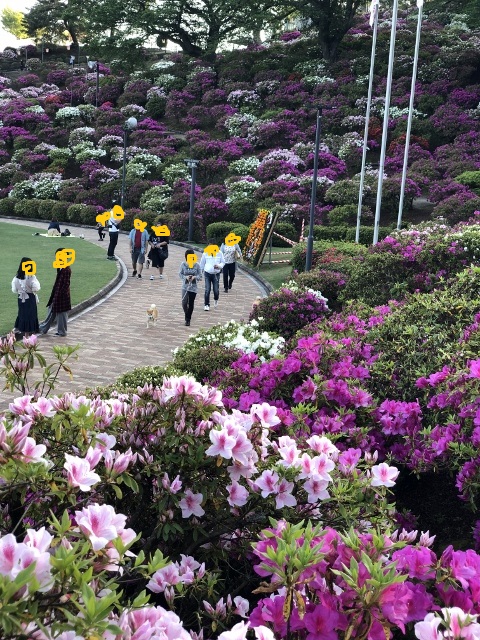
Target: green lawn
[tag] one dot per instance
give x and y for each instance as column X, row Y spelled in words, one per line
column 90, row 271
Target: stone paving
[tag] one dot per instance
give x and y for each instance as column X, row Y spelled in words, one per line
column 113, row 333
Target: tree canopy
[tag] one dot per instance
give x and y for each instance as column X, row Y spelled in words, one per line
column 12, row 21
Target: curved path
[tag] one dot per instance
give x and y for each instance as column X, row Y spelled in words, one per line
column 113, row 334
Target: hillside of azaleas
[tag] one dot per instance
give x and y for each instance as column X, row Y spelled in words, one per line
column 250, row 121
column 313, row 473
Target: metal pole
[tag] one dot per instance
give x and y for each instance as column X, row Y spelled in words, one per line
column 192, row 204
column 367, row 120
column 386, row 114
column 124, row 167
column 308, row 261
column 96, row 85
column 42, row 50
column 410, row 114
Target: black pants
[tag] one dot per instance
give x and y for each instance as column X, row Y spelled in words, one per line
column 188, row 302
column 228, row 275
column 112, row 245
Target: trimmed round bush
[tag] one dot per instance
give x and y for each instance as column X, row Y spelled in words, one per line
column 27, row 208
column 329, row 283
column 285, row 312
column 202, row 362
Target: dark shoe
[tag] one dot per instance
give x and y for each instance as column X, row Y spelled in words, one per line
column 110, row 258
column 61, row 335
column 187, row 323
column 139, row 276
column 134, row 273
column 226, row 290
column 230, row 286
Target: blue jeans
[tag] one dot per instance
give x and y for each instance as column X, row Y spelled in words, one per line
column 211, row 278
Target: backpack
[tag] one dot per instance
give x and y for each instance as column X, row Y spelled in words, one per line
column 66, row 232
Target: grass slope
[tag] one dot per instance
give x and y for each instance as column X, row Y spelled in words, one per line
column 90, row 271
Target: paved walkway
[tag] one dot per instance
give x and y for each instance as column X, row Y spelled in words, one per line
column 113, row 334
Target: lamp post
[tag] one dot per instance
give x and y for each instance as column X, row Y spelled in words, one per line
column 129, row 125
column 308, row 261
column 191, row 164
column 94, row 66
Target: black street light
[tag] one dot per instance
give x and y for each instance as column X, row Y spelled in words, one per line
column 308, row 261
column 94, row 66
column 129, row 125
column 191, row 164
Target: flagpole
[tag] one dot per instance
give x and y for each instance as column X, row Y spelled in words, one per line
column 374, row 11
column 410, row 114
column 385, row 121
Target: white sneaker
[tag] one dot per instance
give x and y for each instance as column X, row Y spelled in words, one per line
column 161, row 277
column 215, row 303
column 152, row 278
column 206, row 307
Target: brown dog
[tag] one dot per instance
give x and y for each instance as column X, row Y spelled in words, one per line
column 152, row 315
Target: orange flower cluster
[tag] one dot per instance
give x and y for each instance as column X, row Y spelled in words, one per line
column 256, row 236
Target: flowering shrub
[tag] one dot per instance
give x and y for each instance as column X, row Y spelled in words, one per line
column 285, row 311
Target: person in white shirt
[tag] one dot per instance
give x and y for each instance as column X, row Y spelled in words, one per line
column 212, row 266
column 113, row 227
column 230, row 254
column 26, row 287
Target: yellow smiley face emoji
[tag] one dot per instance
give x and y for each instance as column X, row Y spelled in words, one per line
column 118, row 213
column 232, row 239
column 139, row 224
column 103, row 218
column 29, row 267
column 161, row 230
column 212, row 250
column 191, row 260
column 64, row 258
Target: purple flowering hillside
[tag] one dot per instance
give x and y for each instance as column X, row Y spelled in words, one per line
column 250, row 121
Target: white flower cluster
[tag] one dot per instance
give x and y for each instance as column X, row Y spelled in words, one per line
column 80, row 135
column 243, row 98
column 350, row 142
column 237, row 335
column 175, row 172
column 143, row 164
column 282, row 154
column 86, row 151
column 68, row 113
column 116, row 153
column 155, row 198
column 8, row 94
column 60, row 153
column 469, row 238
column 156, row 92
column 241, row 189
column 353, row 122
column 238, row 124
column 43, row 186
column 161, row 65
column 266, row 87
column 133, row 110
column 43, row 147
column 313, row 81
column 244, row 165
column 36, row 108
column 109, row 141
column 166, row 81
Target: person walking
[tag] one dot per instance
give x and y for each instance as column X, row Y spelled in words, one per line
column 59, row 303
column 190, row 276
column 26, row 287
column 231, row 255
column 137, row 245
column 158, row 252
column 211, row 266
column 113, row 227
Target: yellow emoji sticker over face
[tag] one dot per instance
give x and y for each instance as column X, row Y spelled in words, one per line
column 29, row 267
column 64, row 258
column 212, row 250
column 232, row 239
column 191, row 260
column 103, row 218
column 161, row 230
column 139, row 224
column 118, row 213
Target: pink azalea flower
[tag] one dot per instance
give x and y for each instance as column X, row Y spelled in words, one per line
column 284, row 496
column 44, row 407
column 321, row 444
column 384, row 475
column 19, row 405
column 428, row 628
column 237, row 495
column 266, row 414
column 242, row 606
column 100, row 524
column 222, row 445
column 191, row 504
column 316, row 488
column 33, row 452
column 238, row 632
column 79, row 473
column 267, row 482
column 264, row 633
column 40, row 539
column 163, row 578
column 321, row 623
column 475, row 369
column 151, row 622
column 322, row 465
